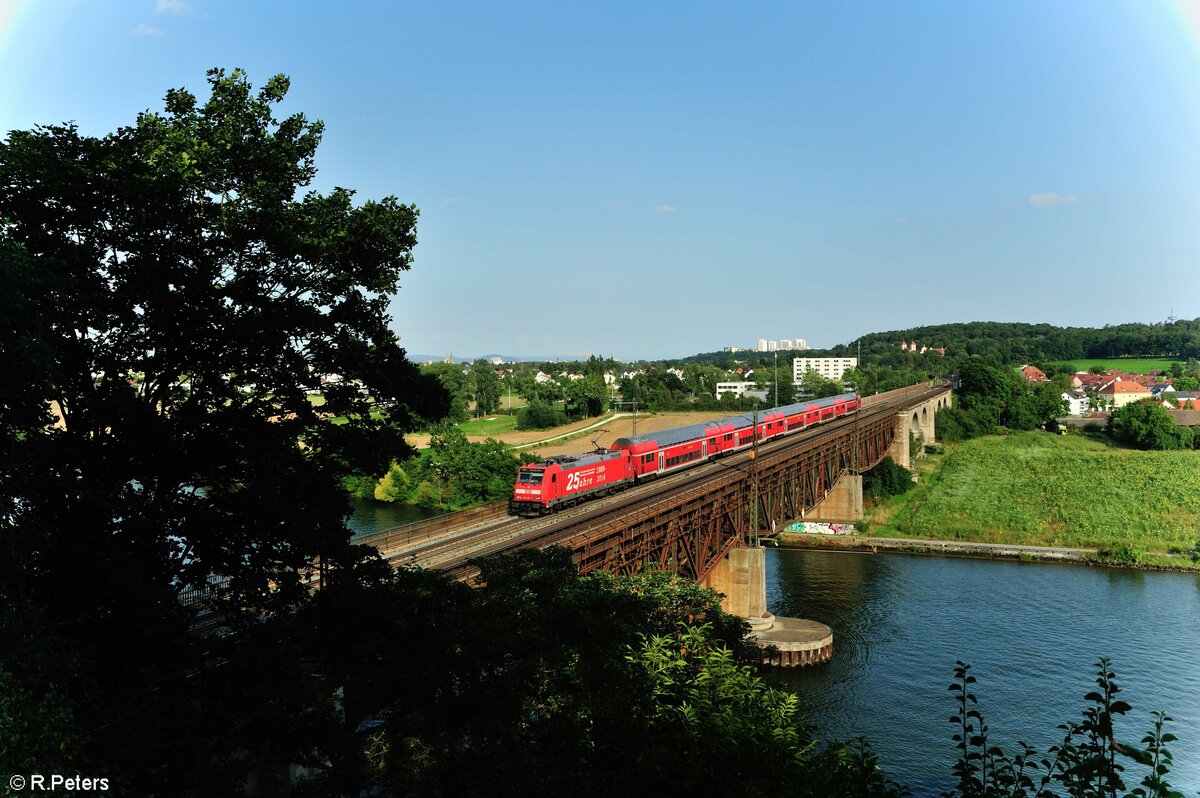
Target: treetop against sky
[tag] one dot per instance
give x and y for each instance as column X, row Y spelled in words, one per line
column 819, row 171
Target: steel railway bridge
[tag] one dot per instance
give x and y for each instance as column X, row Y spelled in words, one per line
column 689, row 522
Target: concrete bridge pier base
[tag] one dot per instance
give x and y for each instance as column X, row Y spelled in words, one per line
column 843, row 504
column 741, row 579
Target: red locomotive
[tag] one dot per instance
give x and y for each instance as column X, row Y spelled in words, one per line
column 568, row 479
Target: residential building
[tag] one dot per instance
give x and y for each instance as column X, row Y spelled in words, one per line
column 1179, row 400
column 1186, row 418
column 1091, row 382
column 736, row 388
column 1033, row 374
column 1077, row 402
column 762, row 344
column 1123, row 392
column 831, row 368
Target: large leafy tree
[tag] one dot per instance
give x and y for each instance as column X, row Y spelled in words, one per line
column 1147, row 425
column 487, row 387
column 173, row 290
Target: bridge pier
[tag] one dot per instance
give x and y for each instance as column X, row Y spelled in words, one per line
column 899, row 450
column 741, row 579
column 843, row 504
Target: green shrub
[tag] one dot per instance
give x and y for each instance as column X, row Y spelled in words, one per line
column 540, row 415
column 393, row 486
column 960, row 424
column 886, row 479
column 1123, row 554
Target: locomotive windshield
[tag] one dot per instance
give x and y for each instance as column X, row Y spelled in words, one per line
column 526, row 475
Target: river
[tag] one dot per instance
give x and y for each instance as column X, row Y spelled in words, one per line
column 1030, row 631
column 372, row 516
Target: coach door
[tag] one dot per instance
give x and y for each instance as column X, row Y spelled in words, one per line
column 660, row 461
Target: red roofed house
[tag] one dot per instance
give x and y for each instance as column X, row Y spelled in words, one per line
column 1123, row 392
column 1091, row 382
column 1033, row 374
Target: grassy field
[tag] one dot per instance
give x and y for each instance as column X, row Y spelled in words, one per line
column 1046, row 490
column 493, row 425
column 1129, row 365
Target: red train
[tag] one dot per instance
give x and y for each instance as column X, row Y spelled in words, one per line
column 569, row 479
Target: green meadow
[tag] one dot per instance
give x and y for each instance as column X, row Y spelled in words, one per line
column 1039, row 489
column 1128, row 365
column 493, row 425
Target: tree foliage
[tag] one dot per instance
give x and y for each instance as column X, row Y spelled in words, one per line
column 486, row 386
column 177, row 288
column 539, row 414
column 990, row 397
column 1147, row 425
column 545, row 682
column 452, row 473
column 586, row 397
column 888, row 478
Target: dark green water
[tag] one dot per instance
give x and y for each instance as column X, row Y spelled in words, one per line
column 372, row 516
column 1031, row 632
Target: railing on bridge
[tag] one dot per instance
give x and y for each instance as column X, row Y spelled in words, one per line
column 419, row 531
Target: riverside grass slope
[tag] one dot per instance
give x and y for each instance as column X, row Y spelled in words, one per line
column 1039, row 489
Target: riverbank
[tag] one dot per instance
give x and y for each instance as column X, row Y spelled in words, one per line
column 1033, row 491
column 960, row 548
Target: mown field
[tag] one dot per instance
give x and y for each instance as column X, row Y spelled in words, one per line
column 1039, row 489
column 492, row 425
column 1128, row 365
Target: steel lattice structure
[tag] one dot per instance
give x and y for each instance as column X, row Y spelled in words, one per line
column 689, row 530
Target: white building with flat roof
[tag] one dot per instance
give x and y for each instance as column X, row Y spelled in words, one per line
column 831, row 368
column 762, row 344
column 736, row 388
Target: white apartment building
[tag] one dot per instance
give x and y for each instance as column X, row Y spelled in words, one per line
column 786, row 344
column 736, row 388
column 831, row 368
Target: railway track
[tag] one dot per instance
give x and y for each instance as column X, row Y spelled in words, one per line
column 453, row 547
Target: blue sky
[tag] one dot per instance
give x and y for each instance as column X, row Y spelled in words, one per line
column 656, row 180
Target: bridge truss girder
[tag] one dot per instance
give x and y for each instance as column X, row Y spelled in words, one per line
column 690, row 531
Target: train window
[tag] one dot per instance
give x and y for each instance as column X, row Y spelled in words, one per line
column 554, row 477
column 531, row 476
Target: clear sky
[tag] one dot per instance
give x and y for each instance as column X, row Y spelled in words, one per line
column 660, row 179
